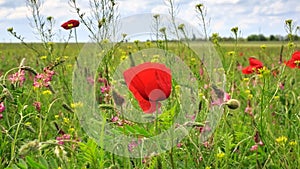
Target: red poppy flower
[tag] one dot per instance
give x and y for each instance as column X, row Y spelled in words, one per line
column 254, row 66
column 149, row 83
column 294, row 61
column 70, row 24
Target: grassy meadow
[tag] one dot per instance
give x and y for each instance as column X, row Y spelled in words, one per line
column 39, row 128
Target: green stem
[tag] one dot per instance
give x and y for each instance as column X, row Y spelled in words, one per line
column 13, row 145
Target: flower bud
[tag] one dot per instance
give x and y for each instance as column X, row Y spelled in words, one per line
column 233, row 104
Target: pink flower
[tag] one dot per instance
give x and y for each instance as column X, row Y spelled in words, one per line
column 90, row 80
column 2, row 107
column 254, row 147
column 105, row 89
column 17, row 77
column 37, row 106
column 281, row 85
column 1, row 116
column 114, row 119
column 43, row 79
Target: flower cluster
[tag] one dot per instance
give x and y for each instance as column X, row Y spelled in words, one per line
column 2, row 108
column 17, row 77
column 256, row 66
column 43, row 79
column 61, row 139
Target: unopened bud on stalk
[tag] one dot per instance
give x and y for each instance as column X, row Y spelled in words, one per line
column 233, row 104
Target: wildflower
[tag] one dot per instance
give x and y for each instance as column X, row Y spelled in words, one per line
column 105, row 89
column 39, row 81
column 281, row 139
column 220, row 155
column 293, row 143
column 78, row 104
column 254, row 147
column 114, row 119
column 263, row 47
column 157, row 77
column 47, row 92
column 70, row 24
column 18, row 77
column 1, row 116
column 37, row 106
column 2, row 107
column 43, row 57
column 248, row 109
column 222, row 97
column 66, row 120
column 294, row 61
column 60, row 139
column 90, row 80
column 254, row 66
column 43, row 79
column 71, row 130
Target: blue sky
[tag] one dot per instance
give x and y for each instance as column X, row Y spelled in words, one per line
column 252, row 17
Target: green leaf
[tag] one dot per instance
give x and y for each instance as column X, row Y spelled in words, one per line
column 53, row 164
column 34, row 164
column 22, row 164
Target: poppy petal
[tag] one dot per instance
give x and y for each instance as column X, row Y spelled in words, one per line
column 149, row 83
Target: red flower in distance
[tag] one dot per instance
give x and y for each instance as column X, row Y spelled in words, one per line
column 70, row 24
column 254, row 66
column 149, row 83
column 294, row 61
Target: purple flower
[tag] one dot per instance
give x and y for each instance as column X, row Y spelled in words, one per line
column 2, row 107
column 17, row 77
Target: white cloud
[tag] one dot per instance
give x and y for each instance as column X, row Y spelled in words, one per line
column 18, row 13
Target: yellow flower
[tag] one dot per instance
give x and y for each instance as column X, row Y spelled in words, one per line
column 247, row 91
column 208, row 167
column 250, row 96
column 66, row 120
column 56, row 116
column 281, row 139
column 246, row 79
column 220, row 155
column 43, row 57
column 47, row 92
column 123, row 57
column 71, row 130
column 292, row 143
column 264, row 46
column 74, row 105
column 276, row 97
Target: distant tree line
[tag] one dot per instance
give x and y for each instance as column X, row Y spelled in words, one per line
column 261, row 37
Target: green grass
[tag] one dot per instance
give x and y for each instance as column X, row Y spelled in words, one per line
column 28, row 136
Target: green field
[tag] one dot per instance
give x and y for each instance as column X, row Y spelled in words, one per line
column 40, row 129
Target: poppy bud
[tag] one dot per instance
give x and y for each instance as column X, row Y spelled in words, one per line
column 233, row 104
